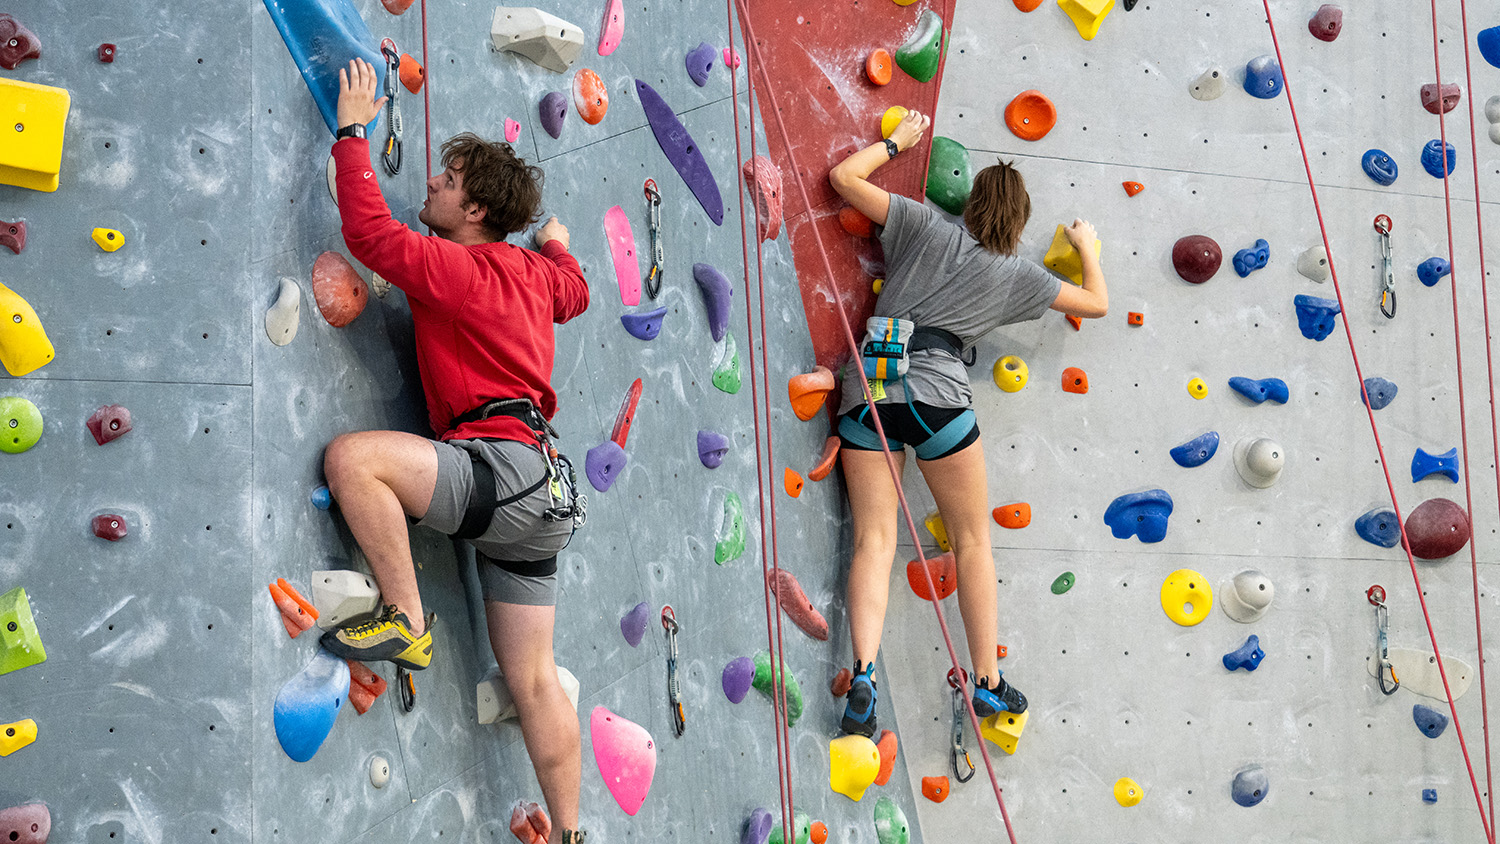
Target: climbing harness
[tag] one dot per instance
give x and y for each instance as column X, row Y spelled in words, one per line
column 565, row 502
column 1387, row 276
column 408, row 688
column 391, row 156
column 653, row 216
column 1376, row 596
column 956, row 681
column 674, row 691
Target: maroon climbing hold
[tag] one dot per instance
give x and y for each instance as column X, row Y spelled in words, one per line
column 841, row 682
column 1448, row 96
column 13, row 235
column 1436, row 529
column 764, row 181
column 794, row 601
column 1196, row 258
column 107, row 53
column 1326, row 22
column 110, row 526
column 108, row 423
column 29, row 823
column 17, row 43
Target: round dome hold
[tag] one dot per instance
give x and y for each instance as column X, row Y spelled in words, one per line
column 1247, row 596
column 1259, row 460
column 1437, row 528
column 1196, row 258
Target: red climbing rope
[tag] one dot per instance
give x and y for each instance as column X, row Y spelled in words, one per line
column 753, row 61
column 1374, row 428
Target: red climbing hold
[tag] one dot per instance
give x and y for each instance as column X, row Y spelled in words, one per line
column 1027, row 5
column 764, row 180
column 1437, row 528
column 626, row 416
column 827, row 461
column 856, row 223
column 364, row 686
column 1446, row 97
column 411, row 73
column 396, row 7
column 296, row 613
column 13, row 235
column 935, row 788
column 339, row 291
column 878, row 67
column 1074, row 321
column 107, row 53
column 1326, row 22
column 1013, row 516
column 529, row 823
column 794, row 601
column 109, row 423
column 111, row 527
column 590, row 96
column 887, row 748
column 1074, row 380
column 944, row 571
column 1132, row 188
column 17, row 43
column 841, row 682
column 1196, row 258
column 1030, row 116
column 1135, row 318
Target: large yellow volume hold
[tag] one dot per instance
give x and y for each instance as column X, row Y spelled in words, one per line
column 1004, row 729
column 32, row 119
column 853, row 764
column 24, row 346
column 1063, row 259
column 1087, row 15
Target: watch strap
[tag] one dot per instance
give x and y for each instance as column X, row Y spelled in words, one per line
column 353, row 130
column 890, row 148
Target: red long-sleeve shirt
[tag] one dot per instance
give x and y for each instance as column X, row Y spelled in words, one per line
column 483, row 314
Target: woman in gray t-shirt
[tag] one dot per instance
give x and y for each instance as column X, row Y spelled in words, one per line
column 963, row 282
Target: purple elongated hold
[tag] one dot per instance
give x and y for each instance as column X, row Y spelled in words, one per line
column 603, row 464
column 757, row 827
column 716, row 296
column 633, row 625
column 644, row 326
column 712, row 446
column 552, row 111
column 738, row 675
column 700, row 60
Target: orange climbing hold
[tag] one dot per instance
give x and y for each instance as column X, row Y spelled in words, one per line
column 1001, row 651
column 1135, row 318
column 396, row 7
column 412, row 73
column 1027, row 5
column 590, row 96
column 1013, row 516
column 827, row 461
column 364, row 686
column 339, row 291
column 841, row 681
column 1074, row 321
column 819, row 832
column 878, row 67
column 1133, row 188
column 808, row 391
column 793, row 482
column 887, row 748
column 935, row 788
column 529, row 823
column 944, row 571
column 296, row 613
column 856, row 223
column 1031, row 115
column 1075, row 380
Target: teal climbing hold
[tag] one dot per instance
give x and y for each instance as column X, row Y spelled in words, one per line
column 801, row 826
column 890, row 822
column 1316, row 317
column 920, row 55
column 729, row 541
column 1063, row 583
column 20, row 643
column 950, row 176
column 763, row 684
column 20, row 424
column 1196, row 451
column 308, row 704
column 1378, row 392
column 1265, row 389
column 727, row 374
column 1445, row 464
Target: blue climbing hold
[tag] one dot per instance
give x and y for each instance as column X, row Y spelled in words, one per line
column 1430, row 721
column 1424, row 464
column 1250, row 786
column 1315, row 316
column 1263, row 77
column 1429, row 795
column 1489, row 45
column 322, row 36
column 1432, row 270
column 322, row 498
column 1435, row 155
column 1247, row 656
column 644, row 326
column 1247, row 261
column 309, row 702
column 1196, row 451
column 700, row 60
column 1379, row 527
column 1141, row 514
column 1378, row 392
column 1266, row 389
column 1379, row 166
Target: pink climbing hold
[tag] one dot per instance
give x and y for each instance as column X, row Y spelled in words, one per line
column 796, row 605
column 626, row 757
column 622, row 251
column 28, row 823
column 512, row 131
column 1326, row 22
column 731, row 58
column 612, row 28
column 1446, row 96
column 529, row 823
column 109, row 423
column 764, row 181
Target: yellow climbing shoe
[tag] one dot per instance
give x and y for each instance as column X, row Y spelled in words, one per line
column 388, row 636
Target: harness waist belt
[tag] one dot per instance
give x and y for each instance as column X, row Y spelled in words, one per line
column 521, row 409
column 485, row 501
column 938, row 338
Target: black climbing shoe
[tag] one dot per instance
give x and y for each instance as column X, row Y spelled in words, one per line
column 1005, row 698
column 859, row 711
column 387, row 636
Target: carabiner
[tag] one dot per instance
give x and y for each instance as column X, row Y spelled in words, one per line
column 652, row 281
column 391, row 156
column 1376, row 596
column 674, row 691
column 408, row 688
column 1388, row 276
column 957, row 678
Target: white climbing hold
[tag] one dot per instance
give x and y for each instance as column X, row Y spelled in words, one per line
column 282, row 318
column 1418, row 672
column 534, row 34
column 1314, row 264
column 341, row 595
column 379, row 285
column 495, row 703
column 1247, row 596
column 332, row 172
column 1492, row 114
column 380, row 772
column 1209, row 85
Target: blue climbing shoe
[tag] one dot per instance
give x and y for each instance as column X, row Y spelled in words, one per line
column 1005, row 698
column 859, row 712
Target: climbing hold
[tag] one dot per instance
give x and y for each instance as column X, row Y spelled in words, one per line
column 1196, row 258
column 339, row 291
column 282, row 318
column 878, row 67
column 944, row 571
column 1087, row 15
column 626, row 757
column 1445, row 464
column 1432, row 270
column 1259, row 460
column 1316, row 317
column 340, row 595
column 633, row 624
column 1247, row 656
column 552, row 111
column 935, row 788
column 1196, row 451
column 1074, row 380
column 1313, row 263
column 727, row 374
column 24, row 346
column 17, row 43
column 1418, row 670
column 1263, row 77
column 20, row 643
column 512, row 131
column 949, row 177
column 1127, row 792
column 1063, row 583
column 16, row 735
column 1379, row 527
column 853, row 764
column 20, row 424
column 109, row 423
column 1063, row 259
column 841, row 682
column 920, row 55
column 729, row 540
column 297, row 615
column 110, row 526
column 700, row 60
column 1027, row 5
column 622, row 252
column 1438, row 158
column 680, row 149
column 1266, row 389
column 934, row 525
column 1326, row 22
column 321, row 498
column 1132, row 188
column 1186, row 597
column 1012, row 516
column 1378, row 392
column 107, row 53
column 890, row 821
column 365, row 686
column 736, row 679
column 33, row 157
column 603, row 464
column 792, row 482
column 757, row 827
column 590, row 96
column 1379, row 166
column 308, row 704
column 1247, row 596
column 644, row 326
column 1445, row 97
column 731, row 58
column 887, row 747
column 1142, row 514
column 396, row 7
column 29, row 823
column 764, row 180
column 712, row 446
column 108, row 239
column 1250, row 785
column 1030, row 115
column 545, row 39
column 802, row 829
column 795, row 604
column 808, row 392
column 762, row 684
column 717, row 294
column 1247, row 261
column 1197, row 388
column 1004, row 729
column 1437, row 528
column 1429, row 795
column 891, row 119
column 13, row 235
column 612, row 27
column 1209, row 85
column 1489, row 45
column 529, row 823
column 856, row 223
column 411, row 73
column 1430, row 721
column 1010, row 373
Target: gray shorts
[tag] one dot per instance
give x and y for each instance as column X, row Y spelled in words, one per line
column 517, row 532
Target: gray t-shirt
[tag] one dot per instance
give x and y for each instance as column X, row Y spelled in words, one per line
column 938, row 276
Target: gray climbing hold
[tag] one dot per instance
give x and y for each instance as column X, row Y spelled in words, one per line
column 1209, row 85
column 1250, row 785
column 717, row 294
column 1263, row 77
column 1197, row 451
column 633, row 625
column 281, row 319
column 700, row 60
column 545, row 39
column 380, row 772
column 1445, row 464
column 1430, row 721
column 1379, row 527
column 1378, row 392
column 1313, row 263
column 1247, row 261
column 1259, row 461
column 1316, row 317
column 1379, row 166
column 712, row 446
column 1265, row 389
column 1439, row 158
column 644, row 326
column 1433, row 270
column 552, row 111
column 1247, row 656
column 1247, row 596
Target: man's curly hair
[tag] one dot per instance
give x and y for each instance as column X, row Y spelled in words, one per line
column 500, row 181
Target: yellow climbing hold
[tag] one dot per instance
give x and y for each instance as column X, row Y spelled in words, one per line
column 889, row 120
column 1197, row 389
column 1004, row 729
column 1010, row 373
column 15, row 736
column 1063, row 259
column 108, row 239
column 24, row 346
column 1087, row 14
column 1186, row 597
column 853, row 764
column 904, row 2
column 1127, row 793
column 935, row 527
column 32, row 119
column 879, row 283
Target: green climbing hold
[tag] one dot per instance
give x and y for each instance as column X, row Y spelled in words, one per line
column 1063, row 583
column 762, row 684
column 890, row 822
column 729, row 542
column 949, row 176
column 20, row 424
column 20, row 643
column 800, row 823
column 727, row 367
column 920, row 54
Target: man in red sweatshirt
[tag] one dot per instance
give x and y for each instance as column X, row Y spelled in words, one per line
column 483, row 311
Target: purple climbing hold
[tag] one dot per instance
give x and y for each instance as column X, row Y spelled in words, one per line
column 1430, row 721
column 1327, row 22
column 700, row 60
column 1142, row 514
column 681, row 151
column 1316, row 317
column 644, row 326
column 1247, row 261
column 712, row 446
column 1263, row 77
column 1436, row 155
column 757, row 827
column 1379, row 527
column 738, row 675
column 1247, row 656
column 552, row 112
column 1432, row 270
column 603, row 464
column 1378, row 392
column 1445, row 464
column 1379, row 166
column 633, row 625
column 1266, row 389
column 716, row 295
column 1489, row 45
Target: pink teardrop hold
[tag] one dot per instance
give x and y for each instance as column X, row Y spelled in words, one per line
column 626, row 757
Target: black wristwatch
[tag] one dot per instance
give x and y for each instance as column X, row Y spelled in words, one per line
column 353, row 130
column 891, row 149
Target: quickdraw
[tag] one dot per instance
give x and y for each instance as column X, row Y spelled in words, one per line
column 674, row 691
column 653, row 215
column 1376, row 596
column 1387, row 275
column 956, row 681
column 408, row 688
column 391, row 156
